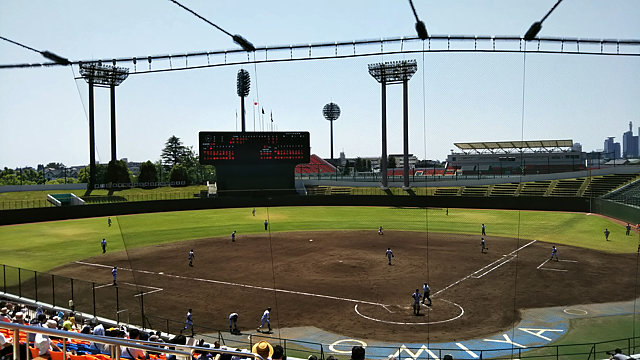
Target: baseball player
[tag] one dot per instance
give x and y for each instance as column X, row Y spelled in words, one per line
column 427, row 292
column 189, row 322
column 114, row 272
column 380, row 231
column 266, row 318
column 233, row 236
column 389, row 254
column 484, row 246
column 253, row 212
column 554, row 253
column 628, row 229
column 416, row 302
column 109, row 221
column 104, row 245
column 191, row 256
column 483, row 230
column 266, row 225
column 233, row 323
column 606, row 234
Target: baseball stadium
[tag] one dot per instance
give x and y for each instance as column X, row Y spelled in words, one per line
column 526, row 248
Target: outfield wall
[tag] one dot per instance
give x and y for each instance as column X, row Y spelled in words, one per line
column 19, row 216
column 616, row 210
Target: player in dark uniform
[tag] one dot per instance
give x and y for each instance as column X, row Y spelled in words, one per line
column 191, row 256
column 606, row 234
column 554, row 253
column 104, row 245
column 483, row 230
column 233, row 236
column 484, row 246
column 416, row 302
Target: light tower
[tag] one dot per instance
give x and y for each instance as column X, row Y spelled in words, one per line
column 331, row 112
column 388, row 73
column 96, row 74
column 244, row 85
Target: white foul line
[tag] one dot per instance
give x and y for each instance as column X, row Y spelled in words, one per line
column 243, row 285
column 473, row 355
column 541, row 265
column 486, row 266
column 550, row 269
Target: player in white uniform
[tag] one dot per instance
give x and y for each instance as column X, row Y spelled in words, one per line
column 233, row 323
column 389, row 254
column 427, row 291
column 416, row 302
column 266, row 318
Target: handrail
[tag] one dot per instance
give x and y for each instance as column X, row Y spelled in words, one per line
column 116, row 342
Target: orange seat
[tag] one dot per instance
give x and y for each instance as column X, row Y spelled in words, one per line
column 76, row 357
column 56, row 355
column 34, row 352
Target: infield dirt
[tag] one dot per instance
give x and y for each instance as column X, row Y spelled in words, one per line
column 323, row 280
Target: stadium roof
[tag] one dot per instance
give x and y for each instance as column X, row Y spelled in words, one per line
column 506, row 146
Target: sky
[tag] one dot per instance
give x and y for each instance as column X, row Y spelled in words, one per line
column 453, row 97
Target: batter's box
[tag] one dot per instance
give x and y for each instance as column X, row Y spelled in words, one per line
column 548, row 268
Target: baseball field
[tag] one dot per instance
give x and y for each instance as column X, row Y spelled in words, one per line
column 325, row 267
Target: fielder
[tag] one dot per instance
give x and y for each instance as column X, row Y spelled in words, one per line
column 484, row 247
column 104, row 245
column 265, row 319
column 380, row 231
column 189, row 322
column 233, row 236
column 191, row 256
column 606, row 234
column 233, row 323
column 114, row 272
column 389, row 254
column 554, row 253
column 483, row 230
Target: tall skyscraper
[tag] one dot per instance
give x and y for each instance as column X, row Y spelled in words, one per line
column 611, row 148
column 629, row 143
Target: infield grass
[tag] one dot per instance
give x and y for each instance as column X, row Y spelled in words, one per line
column 42, row 246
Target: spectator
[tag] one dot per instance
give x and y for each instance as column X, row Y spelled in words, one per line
column 66, row 324
column 357, row 353
column 4, row 315
column 98, row 330
column 19, row 318
column 264, row 349
column 43, row 342
column 133, row 353
column 618, row 355
column 38, row 321
column 447, row 357
column 278, row 353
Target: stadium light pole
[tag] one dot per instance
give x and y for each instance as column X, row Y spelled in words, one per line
column 243, row 87
column 331, row 112
column 96, row 74
column 388, row 73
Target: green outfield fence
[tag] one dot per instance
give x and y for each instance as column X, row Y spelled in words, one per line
column 127, row 305
column 99, row 199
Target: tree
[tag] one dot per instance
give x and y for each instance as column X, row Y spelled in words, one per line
column 174, row 152
column 148, row 173
column 391, row 163
column 179, row 173
column 55, row 165
column 117, row 172
column 101, row 171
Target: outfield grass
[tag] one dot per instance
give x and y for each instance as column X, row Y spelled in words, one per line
column 26, row 199
column 42, row 246
column 585, row 330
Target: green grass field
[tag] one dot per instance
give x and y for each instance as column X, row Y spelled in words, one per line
column 31, row 245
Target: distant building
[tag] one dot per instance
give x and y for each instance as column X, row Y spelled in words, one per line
column 629, row 143
column 611, row 149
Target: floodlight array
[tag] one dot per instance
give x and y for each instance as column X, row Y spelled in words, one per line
column 104, row 74
column 393, row 71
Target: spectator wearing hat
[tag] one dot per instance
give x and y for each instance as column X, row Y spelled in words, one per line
column 264, row 349
column 4, row 315
column 43, row 342
column 357, row 353
column 19, row 318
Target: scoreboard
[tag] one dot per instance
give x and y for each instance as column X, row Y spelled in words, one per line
column 219, row 148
